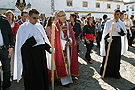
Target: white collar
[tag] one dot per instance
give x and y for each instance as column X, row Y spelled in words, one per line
column 12, row 24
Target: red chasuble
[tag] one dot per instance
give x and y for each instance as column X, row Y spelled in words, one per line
column 60, row 57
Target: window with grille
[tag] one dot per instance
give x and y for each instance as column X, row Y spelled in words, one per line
column 108, row 6
column 118, row 6
column 85, row 4
column 69, row 2
column 97, row 5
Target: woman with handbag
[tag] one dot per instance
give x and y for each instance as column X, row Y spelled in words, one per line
column 89, row 33
column 76, row 28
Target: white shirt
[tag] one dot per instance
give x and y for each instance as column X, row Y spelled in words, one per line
column 1, row 39
column 43, row 21
column 129, row 23
column 25, row 31
column 116, row 29
column 37, row 35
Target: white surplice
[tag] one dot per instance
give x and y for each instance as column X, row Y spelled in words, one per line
column 116, row 29
column 66, row 80
column 22, row 35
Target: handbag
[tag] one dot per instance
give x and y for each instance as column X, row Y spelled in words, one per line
column 78, row 40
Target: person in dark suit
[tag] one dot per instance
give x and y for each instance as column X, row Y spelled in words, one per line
column 6, row 47
column 24, row 16
column 76, row 28
column 43, row 19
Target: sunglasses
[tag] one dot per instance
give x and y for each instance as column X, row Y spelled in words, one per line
column 62, row 15
column 9, row 15
column 116, row 14
column 35, row 18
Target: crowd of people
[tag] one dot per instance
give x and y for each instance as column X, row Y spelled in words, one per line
column 26, row 47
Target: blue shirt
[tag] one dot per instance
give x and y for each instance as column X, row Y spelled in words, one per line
column 99, row 27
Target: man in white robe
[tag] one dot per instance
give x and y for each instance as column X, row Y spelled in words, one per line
column 118, row 46
column 31, row 43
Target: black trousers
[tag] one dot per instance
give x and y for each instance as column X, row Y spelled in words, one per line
column 113, row 64
column 128, row 36
column 89, row 47
column 132, row 38
column 6, row 68
column 99, row 38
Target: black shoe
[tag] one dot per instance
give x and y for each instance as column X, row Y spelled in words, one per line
column 8, row 88
column 78, row 50
column 118, row 77
column 67, row 86
column 132, row 88
column 131, row 45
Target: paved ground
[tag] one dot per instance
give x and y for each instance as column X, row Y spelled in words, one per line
column 89, row 74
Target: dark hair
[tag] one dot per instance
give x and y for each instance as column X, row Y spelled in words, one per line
column 100, row 19
column 41, row 22
column 117, row 10
column 49, row 21
column 132, row 15
column 74, row 16
column 121, row 13
column 83, row 17
column 42, row 14
column 33, row 11
column 13, row 16
column 75, row 12
column 104, row 16
column 24, row 12
column 87, row 20
column 89, row 14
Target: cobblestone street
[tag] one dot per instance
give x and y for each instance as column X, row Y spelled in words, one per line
column 89, row 73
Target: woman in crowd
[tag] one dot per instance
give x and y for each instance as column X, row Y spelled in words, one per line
column 89, row 33
column 132, row 31
column 48, row 27
column 15, row 26
column 76, row 28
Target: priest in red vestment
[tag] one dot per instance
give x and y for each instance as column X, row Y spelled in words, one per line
column 66, row 56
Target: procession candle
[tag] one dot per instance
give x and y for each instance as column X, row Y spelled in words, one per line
column 106, row 60
column 52, row 62
column 111, row 30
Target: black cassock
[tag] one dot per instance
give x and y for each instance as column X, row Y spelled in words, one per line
column 35, row 72
column 113, row 64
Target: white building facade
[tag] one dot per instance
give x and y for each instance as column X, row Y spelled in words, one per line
column 130, row 8
column 96, row 7
column 6, row 5
column 44, row 6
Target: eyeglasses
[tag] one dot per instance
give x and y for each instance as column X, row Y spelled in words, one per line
column 24, row 16
column 116, row 14
column 9, row 15
column 35, row 17
column 62, row 15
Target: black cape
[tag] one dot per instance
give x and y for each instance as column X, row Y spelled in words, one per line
column 35, row 71
column 113, row 64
